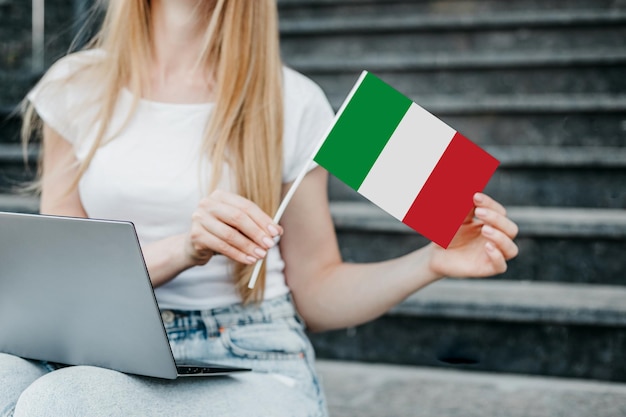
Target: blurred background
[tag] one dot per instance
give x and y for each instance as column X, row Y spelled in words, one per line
column 541, row 84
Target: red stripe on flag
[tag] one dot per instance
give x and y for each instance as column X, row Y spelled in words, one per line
column 447, row 197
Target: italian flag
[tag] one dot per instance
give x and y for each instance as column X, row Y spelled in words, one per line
column 405, row 160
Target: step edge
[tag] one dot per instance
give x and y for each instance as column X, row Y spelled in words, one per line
column 518, row 301
column 514, row 156
column 559, row 384
column 510, row 104
column 533, row 221
column 430, row 22
column 19, row 203
column 461, row 61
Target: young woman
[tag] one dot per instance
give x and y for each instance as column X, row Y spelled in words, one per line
column 181, row 118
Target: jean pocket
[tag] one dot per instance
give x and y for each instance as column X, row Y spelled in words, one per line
column 264, row 341
column 178, row 328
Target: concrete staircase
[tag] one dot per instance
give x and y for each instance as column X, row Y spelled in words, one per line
column 357, row 389
column 542, row 86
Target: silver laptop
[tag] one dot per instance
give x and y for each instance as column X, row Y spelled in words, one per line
column 77, row 292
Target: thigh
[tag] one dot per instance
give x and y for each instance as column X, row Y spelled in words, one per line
column 16, row 374
column 84, row 390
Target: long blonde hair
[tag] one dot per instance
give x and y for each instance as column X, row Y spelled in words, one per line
column 245, row 130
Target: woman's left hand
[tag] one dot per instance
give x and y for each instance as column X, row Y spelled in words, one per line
column 481, row 247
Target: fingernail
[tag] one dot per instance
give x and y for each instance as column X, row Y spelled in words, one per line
column 488, row 230
column 273, row 230
column 490, row 246
column 250, row 259
column 480, row 212
column 260, row 252
column 268, row 242
column 478, row 197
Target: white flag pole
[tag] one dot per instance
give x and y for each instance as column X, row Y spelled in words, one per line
column 279, row 214
column 302, row 174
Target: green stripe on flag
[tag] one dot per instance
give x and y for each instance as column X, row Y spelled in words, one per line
column 362, row 131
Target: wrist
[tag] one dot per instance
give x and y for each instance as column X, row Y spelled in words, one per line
column 432, row 271
column 190, row 256
column 167, row 258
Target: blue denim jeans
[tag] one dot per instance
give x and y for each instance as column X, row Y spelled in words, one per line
column 268, row 338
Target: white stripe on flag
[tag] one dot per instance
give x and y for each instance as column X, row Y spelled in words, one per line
column 404, row 165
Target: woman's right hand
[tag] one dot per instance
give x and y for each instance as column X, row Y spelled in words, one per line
column 228, row 224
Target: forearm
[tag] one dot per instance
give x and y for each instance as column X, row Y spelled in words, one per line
column 347, row 294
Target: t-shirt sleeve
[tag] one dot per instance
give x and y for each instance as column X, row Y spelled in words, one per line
column 308, row 116
column 56, row 97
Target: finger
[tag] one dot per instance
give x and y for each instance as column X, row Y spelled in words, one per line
column 501, row 241
column 483, row 200
column 230, row 241
column 262, row 219
column 496, row 257
column 227, row 241
column 239, row 220
column 497, row 221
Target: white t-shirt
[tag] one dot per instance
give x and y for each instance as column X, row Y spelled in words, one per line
column 154, row 174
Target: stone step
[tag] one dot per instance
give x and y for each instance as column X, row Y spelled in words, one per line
column 495, row 41
column 556, row 244
column 15, row 168
column 10, row 123
column 297, row 9
column 14, row 86
column 358, row 389
column 537, row 120
column 530, row 123
column 533, row 221
column 415, row 35
column 387, row 20
column 19, row 203
column 546, row 176
column 446, row 61
column 564, row 330
column 579, row 72
column 558, row 104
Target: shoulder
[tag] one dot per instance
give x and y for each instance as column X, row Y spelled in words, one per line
column 67, row 91
column 301, row 90
column 69, row 79
column 70, row 75
column 305, row 102
column 73, row 64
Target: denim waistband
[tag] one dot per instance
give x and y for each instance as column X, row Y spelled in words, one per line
column 277, row 308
